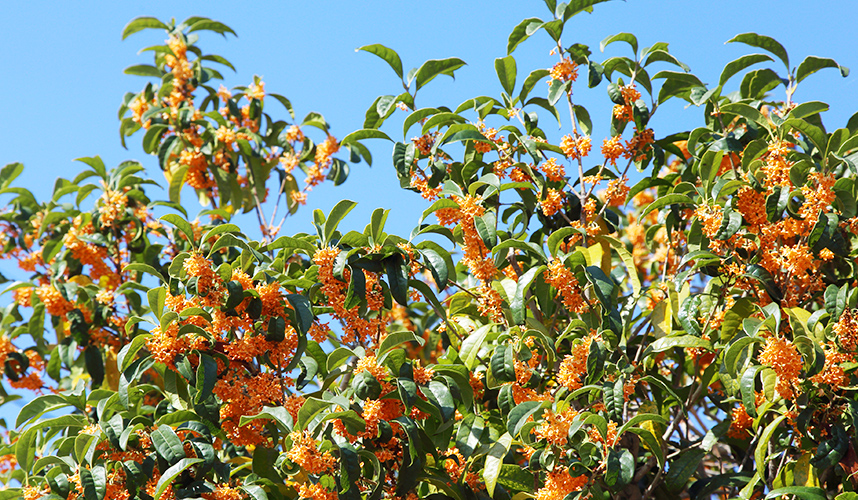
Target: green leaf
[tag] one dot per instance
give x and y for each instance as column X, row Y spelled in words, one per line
column 367, row 133
column 556, row 90
column 309, row 410
column 337, row 214
column 494, row 462
column 388, row 55
column 620, row 469
column 168, row 444
column 684, row 341
column 748, row 112
column 94, row 482
column 683, row 467
column 521, row 32
column 157, row 297
column 519, row 415
column 143, row 70
column 663, row 201
column 471, row 346
column 763, row 42
column 812, row 64
column 172, row 473
column 628, row 260
column 434, row 67
column 506, row 71
column 739, row 64
column 129, row 351
column 395, row 339
column 397, row 277
column 39, row 406
column 142, row 23
column 806, row 109
column 621, row 37
column 760, row 453
column 210, row 25
column 803, row 492
column 517, row 306
column 439, row 395
column 182, row 225
column 814, row 133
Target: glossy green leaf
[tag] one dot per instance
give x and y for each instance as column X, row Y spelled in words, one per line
column 172, row 473
column 141, row 23
column 434, row 67
column 387, row 54
column 763, row 42
column 506, row 71
column 739, row 64
column 812, row 64
column 494, row 462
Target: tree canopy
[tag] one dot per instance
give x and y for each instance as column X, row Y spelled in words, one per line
column 673, row 315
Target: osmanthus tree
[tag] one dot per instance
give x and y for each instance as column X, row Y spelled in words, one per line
column 556, row 334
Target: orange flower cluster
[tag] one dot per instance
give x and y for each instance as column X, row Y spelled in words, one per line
column 553, row 202
column 783, row 357
column 209, row 283
column 555, row 427
column 89, row 254
column 639, row 145
column 316, row 491
column 740, row 423
column 317, row 172
column 711, row 216
column 355, row 327
column 776, row 166
column 420, row 182
column 553, row 170
column 244, row 394
column 846, row 330
column 564, row 280
column 617, row 191
column 565, row 71
column 305, row 453
column 612, row 149
column 559, row 483
column 573, row 368
column 624, row 112
column 575, row 148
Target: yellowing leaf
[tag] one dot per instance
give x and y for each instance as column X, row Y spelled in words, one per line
column 662, row 319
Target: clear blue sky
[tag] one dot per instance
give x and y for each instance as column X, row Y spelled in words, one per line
column 63, row 65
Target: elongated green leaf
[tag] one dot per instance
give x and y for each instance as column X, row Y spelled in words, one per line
column 309, row 410
column 763, row 42
column 494, row 461
column 168, row 444
column 685, row 341
column 803, row 492
column 517, row 306
column 506, row 71
column 471, row 346
column 761, row 452
column 521, row 32
column 142, row 23
column 739, row 64
column 519, row 415
column 387, row 54
column 683, row 467
column 367, row 133
column 434, row 67
column 671, row 199
column 812, row 64
column 621, row 37
column 337, row 214
column 172, row 473
column 182, row 225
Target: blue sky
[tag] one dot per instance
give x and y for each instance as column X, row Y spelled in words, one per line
column 64, row 60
